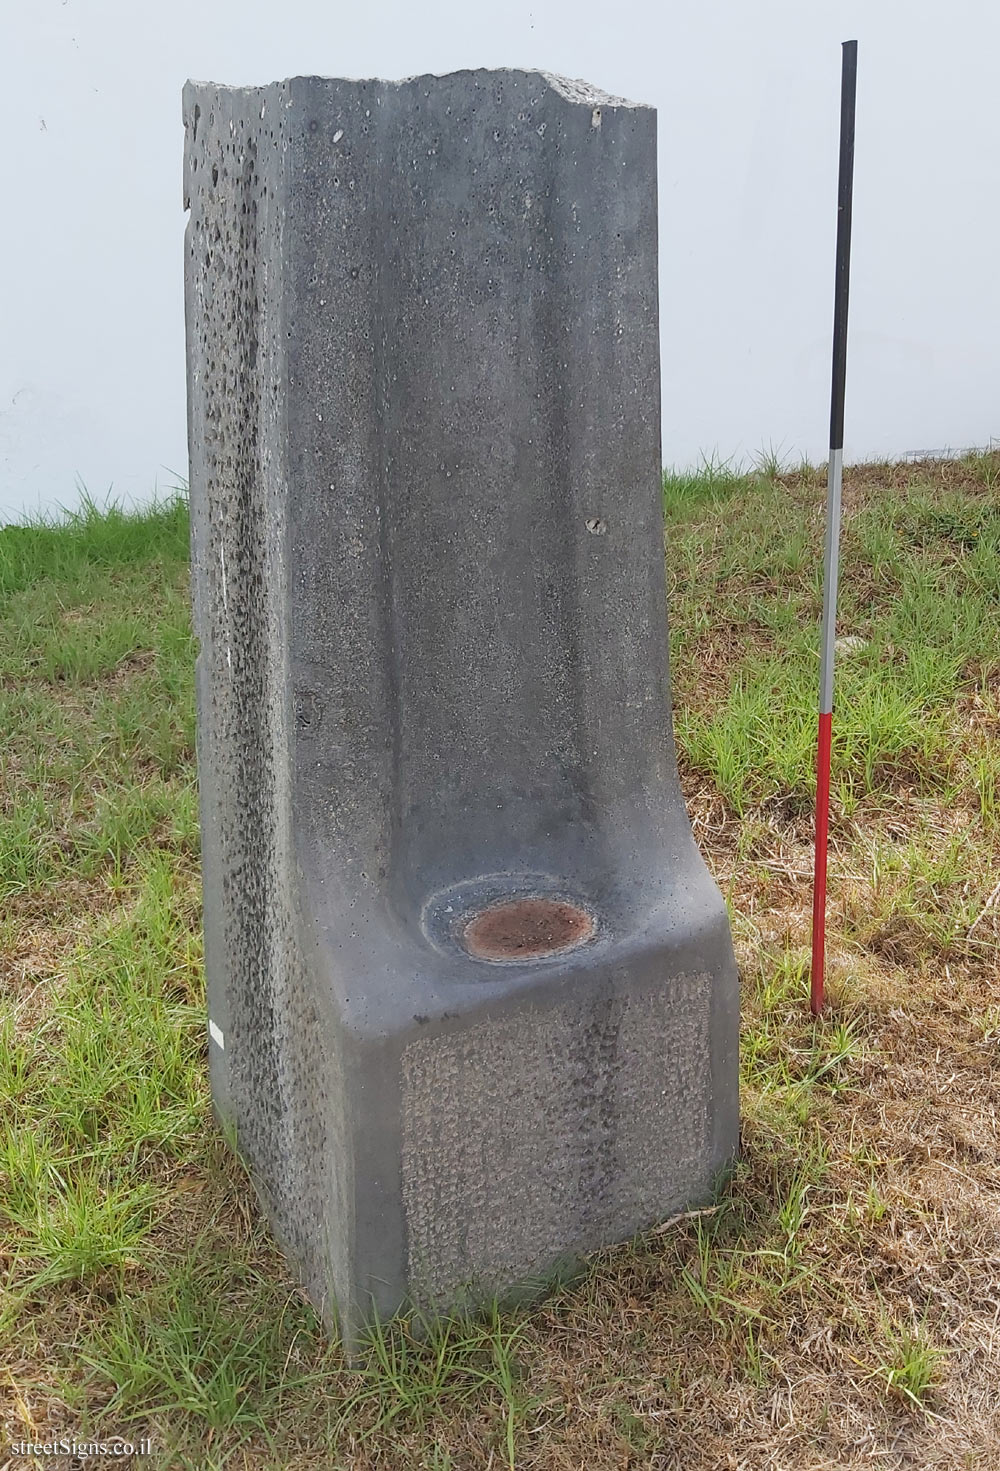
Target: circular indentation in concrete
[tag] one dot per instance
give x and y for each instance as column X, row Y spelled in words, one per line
column 526, row 929
column 511, row 918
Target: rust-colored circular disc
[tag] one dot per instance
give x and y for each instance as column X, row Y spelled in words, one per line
column 526, row 929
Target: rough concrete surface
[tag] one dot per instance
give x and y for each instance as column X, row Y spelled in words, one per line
column 471, row 989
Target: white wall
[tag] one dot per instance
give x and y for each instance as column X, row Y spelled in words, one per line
column 91, row 326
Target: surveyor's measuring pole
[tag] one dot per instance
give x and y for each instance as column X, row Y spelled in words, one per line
column 845, row 187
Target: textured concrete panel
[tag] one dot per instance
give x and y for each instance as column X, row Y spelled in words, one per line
column 595, row 1118
column 448, row 872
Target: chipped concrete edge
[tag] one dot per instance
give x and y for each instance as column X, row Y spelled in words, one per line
column 572, row 89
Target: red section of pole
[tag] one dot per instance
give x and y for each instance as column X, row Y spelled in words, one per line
column 819, row 879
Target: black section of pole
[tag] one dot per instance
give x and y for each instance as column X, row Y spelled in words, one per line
column 845, row 193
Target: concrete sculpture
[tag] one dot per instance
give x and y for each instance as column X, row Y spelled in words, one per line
column 472, row 997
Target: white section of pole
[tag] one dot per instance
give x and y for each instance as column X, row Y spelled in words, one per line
column 831, row 566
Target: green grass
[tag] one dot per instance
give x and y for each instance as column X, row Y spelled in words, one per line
column 834, row 1290
column 912, row 1365
column 918, row 585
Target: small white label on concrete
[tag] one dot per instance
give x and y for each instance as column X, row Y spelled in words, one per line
column 216, row 1035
